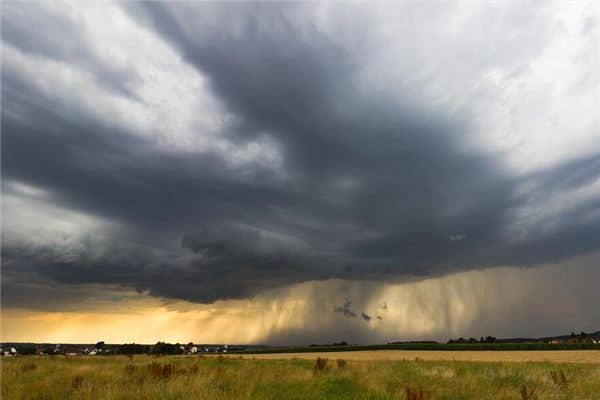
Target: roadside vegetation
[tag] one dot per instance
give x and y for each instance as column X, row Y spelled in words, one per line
column 214, row 377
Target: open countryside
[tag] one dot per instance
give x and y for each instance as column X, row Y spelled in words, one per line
column 375, row 376
column 290, row 200
column 558, row 367
column 550, row 356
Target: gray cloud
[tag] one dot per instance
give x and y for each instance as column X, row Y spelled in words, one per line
column 374, row 187
column 39, row 29
column 345, row 309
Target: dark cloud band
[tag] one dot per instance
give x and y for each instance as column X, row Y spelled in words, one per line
column 374, row 188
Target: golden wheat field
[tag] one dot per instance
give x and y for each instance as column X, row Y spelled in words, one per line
column 559, row 356
column 350, row 377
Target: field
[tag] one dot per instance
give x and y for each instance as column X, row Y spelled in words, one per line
column 181, row 377
column 555, row 356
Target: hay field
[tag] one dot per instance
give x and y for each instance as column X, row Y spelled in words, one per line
column 559, row 356
column 207, row 378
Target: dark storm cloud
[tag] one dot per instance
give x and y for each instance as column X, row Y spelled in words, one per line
column 375, row 189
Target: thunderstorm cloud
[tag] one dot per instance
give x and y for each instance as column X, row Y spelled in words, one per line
column 206, row 152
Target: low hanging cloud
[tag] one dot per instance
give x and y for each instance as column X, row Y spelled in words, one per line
column 503, row 305
column 264, row 152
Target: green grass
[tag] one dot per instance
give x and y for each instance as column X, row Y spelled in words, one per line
column 145, row 377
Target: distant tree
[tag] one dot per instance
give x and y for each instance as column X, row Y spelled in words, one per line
column 133, row 348
column 26, row 350
column 100, row 345
column 459, row 340
column 166, row 348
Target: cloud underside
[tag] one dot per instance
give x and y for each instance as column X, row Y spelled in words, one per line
column 319, row 173
column 498, row 301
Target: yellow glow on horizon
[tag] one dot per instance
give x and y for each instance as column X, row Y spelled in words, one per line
column 466, row 303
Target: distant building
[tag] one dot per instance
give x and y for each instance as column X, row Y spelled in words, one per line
column 11, row 351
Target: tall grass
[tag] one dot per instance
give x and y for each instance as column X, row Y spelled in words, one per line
column 559, row 378
column 320, row 365
column 414, row 394
column 145, row 377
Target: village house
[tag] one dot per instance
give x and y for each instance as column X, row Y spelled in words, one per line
column 11, row 351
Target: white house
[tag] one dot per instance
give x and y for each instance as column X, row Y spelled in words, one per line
column 10, row 352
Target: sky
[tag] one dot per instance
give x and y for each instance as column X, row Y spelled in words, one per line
column 296, row 173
